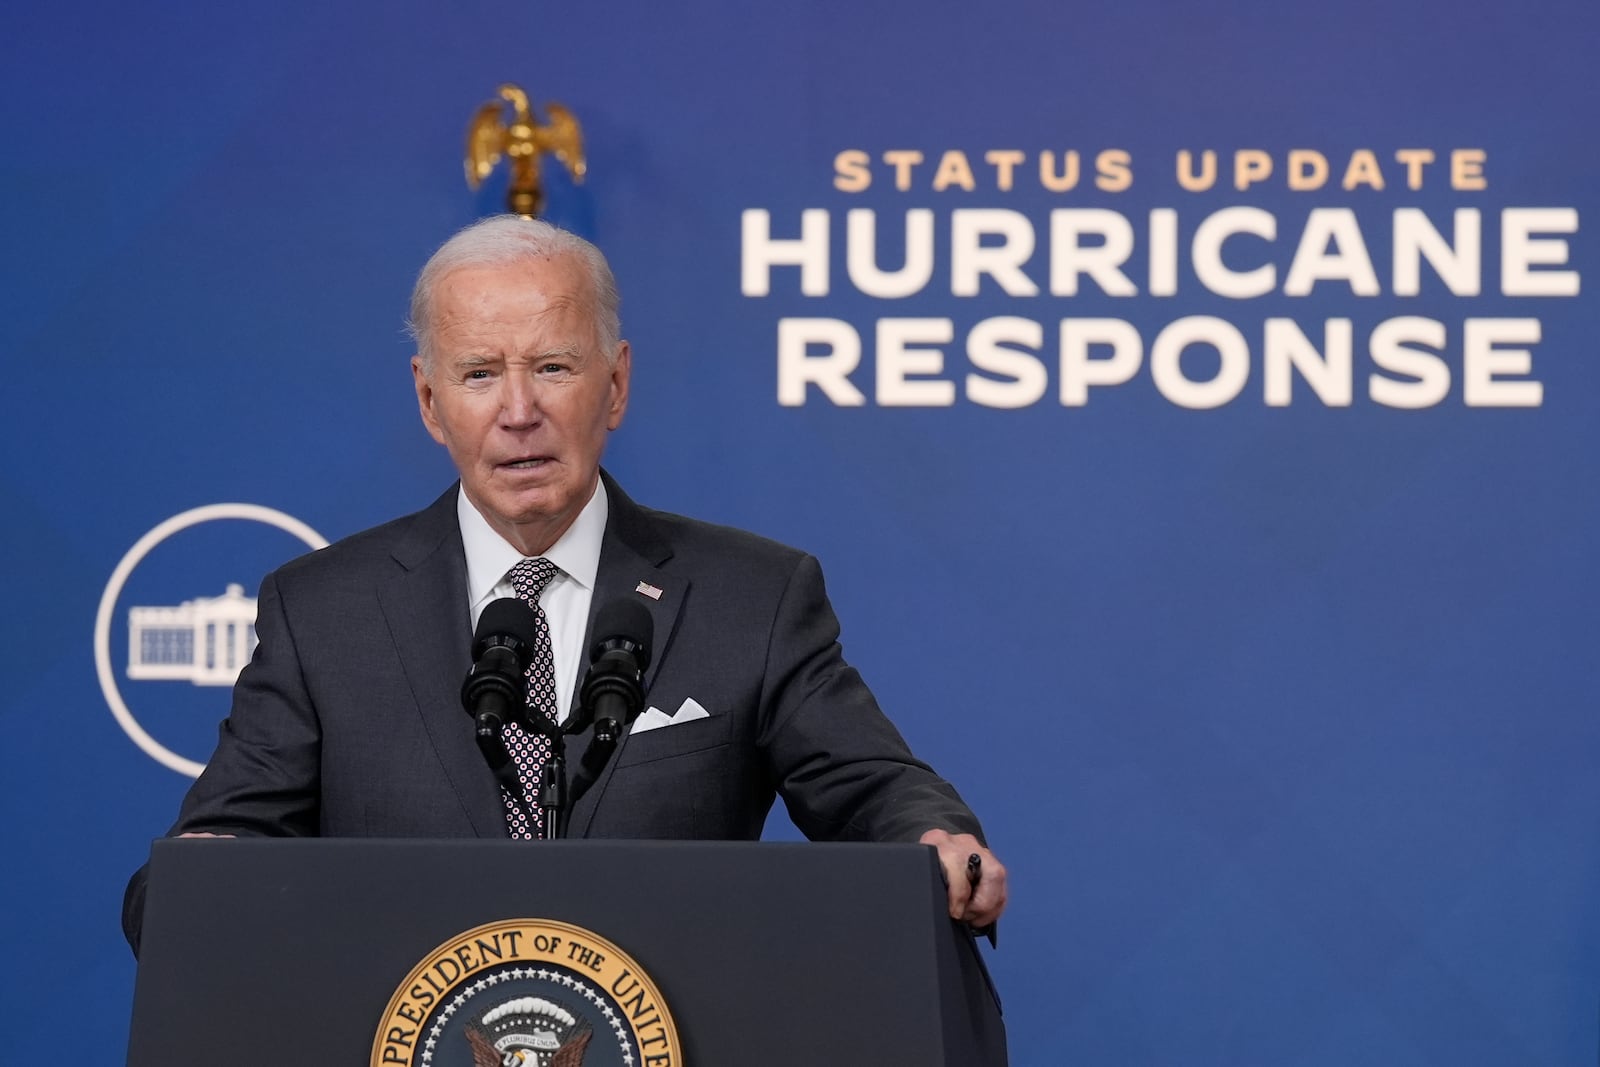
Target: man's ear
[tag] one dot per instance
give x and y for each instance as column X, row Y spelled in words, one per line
column 419, row 377
column 621, row 372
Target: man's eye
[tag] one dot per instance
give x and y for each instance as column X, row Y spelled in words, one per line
column 479, row 375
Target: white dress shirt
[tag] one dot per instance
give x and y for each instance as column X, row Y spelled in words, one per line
column 565, row 600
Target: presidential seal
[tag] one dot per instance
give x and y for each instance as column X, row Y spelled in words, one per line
column 527, row 993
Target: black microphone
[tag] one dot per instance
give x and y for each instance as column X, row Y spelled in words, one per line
column 613, row 690
column 496, row 690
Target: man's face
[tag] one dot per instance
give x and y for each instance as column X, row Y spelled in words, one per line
column 520, row 393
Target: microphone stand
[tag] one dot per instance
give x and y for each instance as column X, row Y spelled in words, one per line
column 608, row 733
column 553, row 793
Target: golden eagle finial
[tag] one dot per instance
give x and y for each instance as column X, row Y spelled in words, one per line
column 523, row 140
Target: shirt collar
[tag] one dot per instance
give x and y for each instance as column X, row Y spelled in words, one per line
column 490, row 556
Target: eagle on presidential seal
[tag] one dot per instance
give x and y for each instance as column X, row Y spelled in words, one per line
column 528, row 1032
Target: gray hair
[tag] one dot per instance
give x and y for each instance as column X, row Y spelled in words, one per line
column 500, row 240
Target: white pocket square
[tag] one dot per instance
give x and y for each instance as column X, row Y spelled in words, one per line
column 654, row 718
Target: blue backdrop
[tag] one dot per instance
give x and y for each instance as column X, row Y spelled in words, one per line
column 1282, row 714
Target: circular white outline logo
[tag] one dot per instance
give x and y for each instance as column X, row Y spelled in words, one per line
column 119, row 577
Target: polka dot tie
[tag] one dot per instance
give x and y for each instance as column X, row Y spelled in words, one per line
column 529, row 751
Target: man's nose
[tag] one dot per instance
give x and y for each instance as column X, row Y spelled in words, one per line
column 519, row 401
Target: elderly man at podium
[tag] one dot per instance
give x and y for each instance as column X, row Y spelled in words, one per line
column 348, row 720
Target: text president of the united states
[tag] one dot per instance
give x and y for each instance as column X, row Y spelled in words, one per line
column 348, row 720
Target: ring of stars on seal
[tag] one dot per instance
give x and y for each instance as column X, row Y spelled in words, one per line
column 582, row 988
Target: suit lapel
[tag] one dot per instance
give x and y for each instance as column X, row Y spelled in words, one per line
column 631, row 555
column 425, row 606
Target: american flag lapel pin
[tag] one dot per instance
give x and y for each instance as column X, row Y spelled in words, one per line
column 651, row 591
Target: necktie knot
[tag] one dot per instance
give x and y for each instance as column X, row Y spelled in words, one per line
column 530, row 576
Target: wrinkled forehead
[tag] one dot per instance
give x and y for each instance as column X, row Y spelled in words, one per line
column 562, row 275
column 550, row 290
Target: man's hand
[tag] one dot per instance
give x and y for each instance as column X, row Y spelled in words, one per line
column 978, row 905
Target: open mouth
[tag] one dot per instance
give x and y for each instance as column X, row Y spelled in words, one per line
column 528, row 464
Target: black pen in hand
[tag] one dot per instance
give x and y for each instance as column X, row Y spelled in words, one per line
column 974, row 876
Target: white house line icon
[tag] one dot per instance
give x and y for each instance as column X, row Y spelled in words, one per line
column 186, row 666
column 207, row 640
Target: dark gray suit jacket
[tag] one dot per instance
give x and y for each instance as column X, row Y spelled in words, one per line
column 348, row 719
